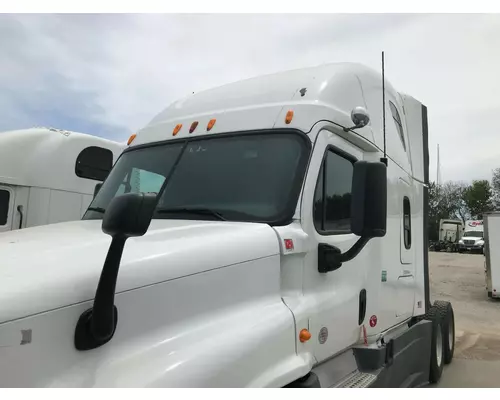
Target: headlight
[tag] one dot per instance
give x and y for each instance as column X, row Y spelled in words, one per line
column 480, row 243
column 460, row 241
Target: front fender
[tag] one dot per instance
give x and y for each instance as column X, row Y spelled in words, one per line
column 226, row 327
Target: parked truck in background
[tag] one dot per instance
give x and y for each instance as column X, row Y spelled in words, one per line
column 49, row 175
column 473, row 237
column 279, row 240
column 450, row 232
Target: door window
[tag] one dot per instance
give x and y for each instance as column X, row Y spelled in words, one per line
column 332, row 198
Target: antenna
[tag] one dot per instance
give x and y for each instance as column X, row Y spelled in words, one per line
column 384, row 160
column 438, row 169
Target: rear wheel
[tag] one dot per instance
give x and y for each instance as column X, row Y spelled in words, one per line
column 437, row 346
column 448, row 326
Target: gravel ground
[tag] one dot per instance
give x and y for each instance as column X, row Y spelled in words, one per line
column 460, row 279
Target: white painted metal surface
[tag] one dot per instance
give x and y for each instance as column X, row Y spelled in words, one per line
column 222, row 303
column 492, row 252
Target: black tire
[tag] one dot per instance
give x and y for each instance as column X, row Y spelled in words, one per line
column 437, row 360
column 448, row 319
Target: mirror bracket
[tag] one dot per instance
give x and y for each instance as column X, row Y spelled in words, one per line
column 330, row 258
column 84, row 339
column 128, row 215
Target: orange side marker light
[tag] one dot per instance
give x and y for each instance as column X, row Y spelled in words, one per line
column 211, row 124
column 177, row 129
column 131, row 139
column 289, row 117
column 304, row 335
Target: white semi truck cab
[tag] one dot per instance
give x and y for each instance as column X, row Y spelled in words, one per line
column 473, row 237
column 49, row 175
column 252, row 235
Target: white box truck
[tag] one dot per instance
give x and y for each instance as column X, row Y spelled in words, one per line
column 473, row 237
column 49, row 175
column 276, row 238
column 492, row 253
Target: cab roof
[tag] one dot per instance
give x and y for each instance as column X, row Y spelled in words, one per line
column 326, row 92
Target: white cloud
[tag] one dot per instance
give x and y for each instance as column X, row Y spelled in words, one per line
column 113, row 73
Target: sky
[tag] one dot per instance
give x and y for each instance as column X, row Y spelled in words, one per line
column 110, row 74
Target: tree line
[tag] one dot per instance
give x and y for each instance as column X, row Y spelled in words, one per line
column 460, row 200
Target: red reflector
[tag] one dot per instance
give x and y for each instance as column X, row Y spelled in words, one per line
column 193, row 126
column 289, row 244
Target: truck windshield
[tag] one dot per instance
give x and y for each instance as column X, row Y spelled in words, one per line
column 245, row 177
column 478, row 234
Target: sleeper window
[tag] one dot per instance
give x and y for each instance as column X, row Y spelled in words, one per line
column 399, row 124
column 4, row 206
column 407, row 222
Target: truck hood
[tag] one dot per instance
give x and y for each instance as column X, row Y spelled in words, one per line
column 475, row 239
column 52, row 266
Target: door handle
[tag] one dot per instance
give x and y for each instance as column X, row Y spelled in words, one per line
column 21, row 215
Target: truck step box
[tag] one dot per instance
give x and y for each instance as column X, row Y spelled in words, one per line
column 402, row 362
column 357, row 379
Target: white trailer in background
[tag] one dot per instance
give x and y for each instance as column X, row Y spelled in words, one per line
column 49, row 175
column 492, row 253
column 450, row 232
column 276, row 237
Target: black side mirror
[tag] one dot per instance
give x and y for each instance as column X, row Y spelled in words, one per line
column 97, row 188
column 368, row 214
column 128, row 215
column 369, row 199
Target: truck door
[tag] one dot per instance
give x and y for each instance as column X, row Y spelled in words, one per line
column 337, row 295
column 406, row 279
column 6, row 208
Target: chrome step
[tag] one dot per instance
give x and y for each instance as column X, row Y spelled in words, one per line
column 357, row 379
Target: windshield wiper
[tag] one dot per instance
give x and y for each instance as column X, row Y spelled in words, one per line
column 97, row 209
column 191, row 210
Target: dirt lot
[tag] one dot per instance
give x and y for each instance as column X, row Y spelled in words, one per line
column 460, row 279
